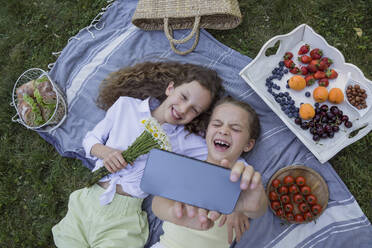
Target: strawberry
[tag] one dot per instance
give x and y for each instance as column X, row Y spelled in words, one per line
column 315, row 62
column 327, row 60
column 288, row 55
column 323, row 65
column 289, row 63
column 312, row 68
column 304, row 49
column 323, row 82
column 304, row 70
column 319, row 75
column 305, row 59
column 316, row 53
column 295, row 70
column 310, row 80
column 331, row 73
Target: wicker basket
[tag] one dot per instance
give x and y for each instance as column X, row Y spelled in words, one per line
column 169, row 15
column 59, row 114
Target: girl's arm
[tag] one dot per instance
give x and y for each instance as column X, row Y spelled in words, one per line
column 164, row 209
column 95, row 139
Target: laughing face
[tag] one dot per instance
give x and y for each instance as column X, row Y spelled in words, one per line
column 228, row 133
column 183, row 103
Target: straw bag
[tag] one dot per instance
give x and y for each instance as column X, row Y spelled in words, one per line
column 169, row 15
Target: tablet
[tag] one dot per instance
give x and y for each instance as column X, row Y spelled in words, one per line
column 190, row 181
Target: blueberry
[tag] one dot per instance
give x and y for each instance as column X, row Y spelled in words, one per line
column 277, row 99
column 283, row 107
column 289, row 98
column 297, row 115
column 285, row 71
column 278, row 87
column 290, row 115
column 281, row 63
column 268, row 80
column 307, row 94
column 286, row 93
column 316, row 104
column 291, row 102
column 281, row 94
column 287, row 86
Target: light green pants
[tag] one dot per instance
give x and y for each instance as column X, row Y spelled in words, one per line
column 122, row 223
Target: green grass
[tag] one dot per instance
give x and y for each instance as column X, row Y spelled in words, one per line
column 35, row 181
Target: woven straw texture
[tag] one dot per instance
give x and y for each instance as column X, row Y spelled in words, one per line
column 216, row 14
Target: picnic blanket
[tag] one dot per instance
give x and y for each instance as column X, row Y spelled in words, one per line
column 112, row 42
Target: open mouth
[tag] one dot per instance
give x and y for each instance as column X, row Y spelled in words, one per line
column 175, row 114
column 221, row 145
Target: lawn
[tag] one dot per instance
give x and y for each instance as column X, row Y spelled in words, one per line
column 35, row 181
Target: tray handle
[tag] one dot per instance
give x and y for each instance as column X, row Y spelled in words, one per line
column 270, row 44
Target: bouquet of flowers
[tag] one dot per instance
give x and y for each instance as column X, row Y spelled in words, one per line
column 152, row 137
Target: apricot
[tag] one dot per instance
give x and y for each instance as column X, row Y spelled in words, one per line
column 297, row 82
column 336, row 96
column 320, row 94
column 306, row 111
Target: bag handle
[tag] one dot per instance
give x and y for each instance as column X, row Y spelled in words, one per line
column 194, row 32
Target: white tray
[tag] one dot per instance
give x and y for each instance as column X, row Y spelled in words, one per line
column 256, row 72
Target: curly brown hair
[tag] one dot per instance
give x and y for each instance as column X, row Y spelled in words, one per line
column 152, row 78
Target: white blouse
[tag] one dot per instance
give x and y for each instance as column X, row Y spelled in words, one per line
column 120, row 127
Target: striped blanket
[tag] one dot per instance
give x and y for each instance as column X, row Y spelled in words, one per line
column 112, row 42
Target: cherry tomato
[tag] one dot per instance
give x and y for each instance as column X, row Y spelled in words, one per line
column 300, row 181
column 299, row 218
column 283, row 190
column 297, row 198
column 279, row 212
column 288, row 207
column 303, row 207
column 308, row 216
column 293, row 189
column 276, row 183
column 275, row 205
column 305, row 190
column 288, row 180
column 290, row 216
column 316, row 209
column 273, row 196
column 311, row 199
column 285, row 198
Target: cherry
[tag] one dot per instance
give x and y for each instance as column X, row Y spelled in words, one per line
column 348, row 124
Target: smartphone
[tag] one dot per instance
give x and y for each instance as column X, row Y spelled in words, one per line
column 190, row 181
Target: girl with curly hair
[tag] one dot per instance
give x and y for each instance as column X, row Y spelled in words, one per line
column 179, row 97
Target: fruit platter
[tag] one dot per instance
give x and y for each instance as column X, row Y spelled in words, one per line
column 297, row 194
column 324, row 101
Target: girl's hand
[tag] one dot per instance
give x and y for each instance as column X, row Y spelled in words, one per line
column 180, row 210
column 252, row 200
column 113, row 160
column 236, row 221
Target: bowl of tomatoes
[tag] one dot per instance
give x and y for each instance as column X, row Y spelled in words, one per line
column 297, row 194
